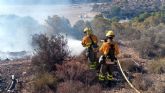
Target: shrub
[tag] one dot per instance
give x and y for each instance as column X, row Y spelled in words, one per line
column 157, row 66
column 145, row 48
column 151, row 44
column 45, row 82
column 75, row 71
column 142, row 17
column 77, row 87
column 126, row 64
column 58, row 24
column 142, row 82
column 48, row 52
column 129, row 65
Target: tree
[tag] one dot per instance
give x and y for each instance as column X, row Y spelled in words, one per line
column 59, row 25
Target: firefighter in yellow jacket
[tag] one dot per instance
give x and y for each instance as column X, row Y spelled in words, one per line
column 90, row 41
column 109, row 51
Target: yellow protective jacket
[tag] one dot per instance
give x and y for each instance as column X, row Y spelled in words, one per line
column 86, row 41
column 104, row 49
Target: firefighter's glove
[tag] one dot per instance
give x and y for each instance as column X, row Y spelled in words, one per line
column 101, row 59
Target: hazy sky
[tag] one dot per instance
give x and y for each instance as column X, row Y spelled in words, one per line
column 31, row 2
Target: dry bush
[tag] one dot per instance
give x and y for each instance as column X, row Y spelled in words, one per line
column 70, row 70
column 77, row 87
column 146, row 37
column 48, row 52
column 45, row 81
column 126, row 64
column 158, row 88
column 151, row 44
column 158, row 84
column 148, row 49
column 126, row 32
column 125, row 55
column 69, row 87
column 142, row 82
column 75, row 71
column 129, row 66
column 82, row 58
column 157, row 66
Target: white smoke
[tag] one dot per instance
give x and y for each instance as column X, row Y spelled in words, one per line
column 20, row 20
column 75, row 46
column 33, row 2
column 16, row 35
column 16, row 32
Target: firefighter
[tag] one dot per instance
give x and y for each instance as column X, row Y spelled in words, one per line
column 90, row 41
column 109, row 51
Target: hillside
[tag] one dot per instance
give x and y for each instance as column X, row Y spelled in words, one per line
column 53, row 69
column 75, row 72
column 128, row 8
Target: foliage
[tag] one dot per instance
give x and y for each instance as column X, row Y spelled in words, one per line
column 145, row 32
column 58, row 24
column 128, row 8
column 49, row 51
column 61, row 25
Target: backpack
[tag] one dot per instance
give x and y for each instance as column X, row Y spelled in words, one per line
column 93, row 45
column 111, row 54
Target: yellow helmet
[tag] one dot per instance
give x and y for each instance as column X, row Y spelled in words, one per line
column 110, row 34
column 88, row 30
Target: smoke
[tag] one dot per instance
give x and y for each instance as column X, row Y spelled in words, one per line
column 33, row 2
column 20, row 19
column 16, row 32
column 75, row 46
column 44, row 2
column 61, row 25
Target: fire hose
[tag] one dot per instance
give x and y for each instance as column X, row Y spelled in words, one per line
column 118, row 62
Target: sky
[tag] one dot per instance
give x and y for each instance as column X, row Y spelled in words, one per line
column 32, row 2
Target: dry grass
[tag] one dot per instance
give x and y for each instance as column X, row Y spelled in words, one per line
column 157, row 66
column 43, row 80
column 77, row 87
column 127, row 64
column 76, row 71
column 142, row 82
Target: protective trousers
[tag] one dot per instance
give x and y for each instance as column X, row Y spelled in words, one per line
column 91, row 55
column 106, row 71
